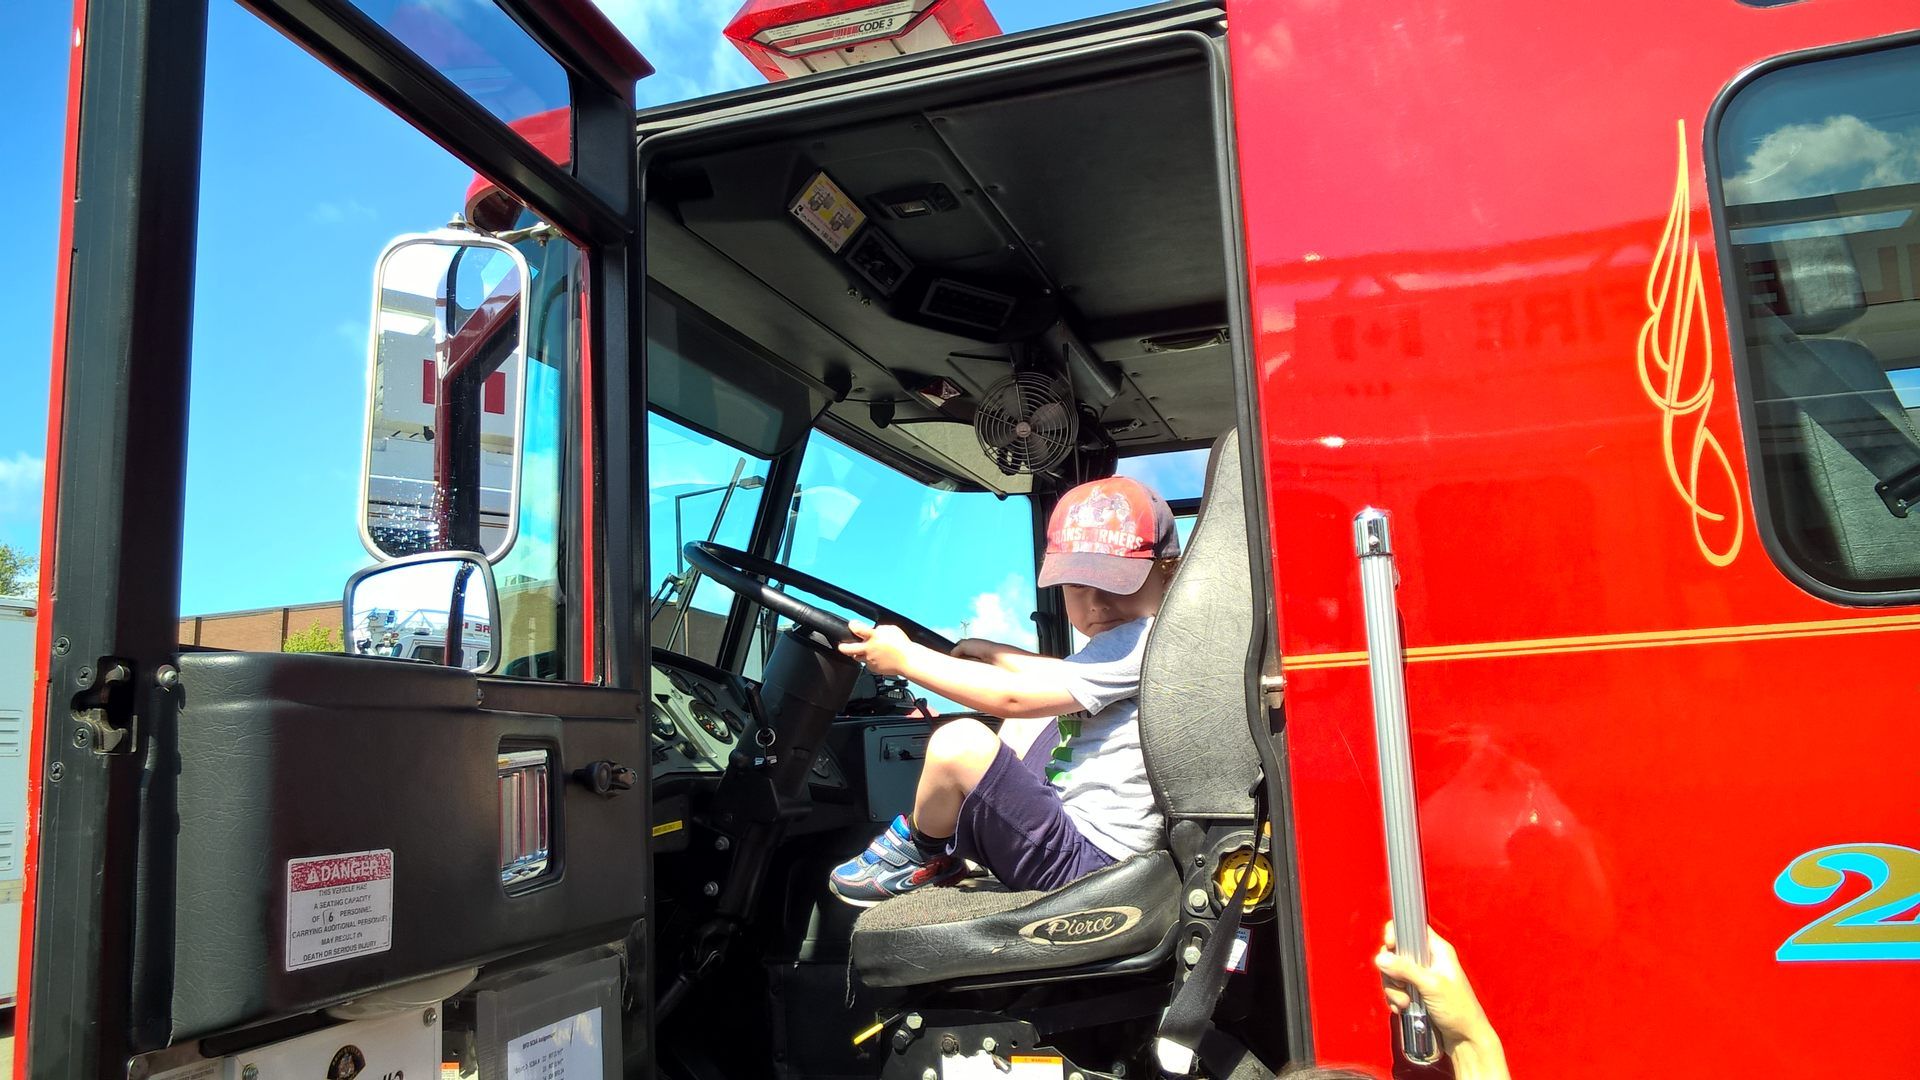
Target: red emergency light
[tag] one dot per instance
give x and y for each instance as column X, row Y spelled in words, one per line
column 784, row 38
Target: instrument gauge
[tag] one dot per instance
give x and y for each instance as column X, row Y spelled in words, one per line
column 711, row 723
column 733, row 720
column 705, row 693
column 680, row 682
column 660, row 722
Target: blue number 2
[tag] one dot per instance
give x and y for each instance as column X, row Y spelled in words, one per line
column 1865, row 928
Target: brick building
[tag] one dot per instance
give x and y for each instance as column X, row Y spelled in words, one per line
column 259, row 630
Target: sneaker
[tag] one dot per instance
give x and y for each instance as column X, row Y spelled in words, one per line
column 893, row 864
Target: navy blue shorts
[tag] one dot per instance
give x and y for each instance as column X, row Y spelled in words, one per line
column 1015, row 825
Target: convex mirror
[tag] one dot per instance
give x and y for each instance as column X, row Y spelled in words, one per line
column 446, row 390
column 437, row 608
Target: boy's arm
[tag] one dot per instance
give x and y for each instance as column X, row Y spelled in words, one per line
column 1002, row 655
column 983, row 687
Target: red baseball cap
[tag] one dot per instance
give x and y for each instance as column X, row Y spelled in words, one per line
column 1107, row 534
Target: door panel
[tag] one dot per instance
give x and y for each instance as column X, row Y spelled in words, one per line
column 174, row 794
column 286, row 758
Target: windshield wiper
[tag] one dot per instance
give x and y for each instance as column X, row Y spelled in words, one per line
column 677, row 588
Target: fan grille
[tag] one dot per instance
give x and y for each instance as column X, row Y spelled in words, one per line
column 1026, row 423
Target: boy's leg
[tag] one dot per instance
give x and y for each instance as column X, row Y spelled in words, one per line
column 958, row 755
column 1023, row 737
column 912, row 853
column 1015, row 825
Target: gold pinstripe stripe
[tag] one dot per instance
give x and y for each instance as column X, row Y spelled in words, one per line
column 1650, row 639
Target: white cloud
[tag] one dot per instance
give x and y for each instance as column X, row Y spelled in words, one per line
column 1840, row 153
column 20, row 481
column 1001, row 615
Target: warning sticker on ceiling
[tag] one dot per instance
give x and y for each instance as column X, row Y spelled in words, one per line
column 338, row 907
column 827, row 212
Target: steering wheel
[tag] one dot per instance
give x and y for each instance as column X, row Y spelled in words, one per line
column 751, row 576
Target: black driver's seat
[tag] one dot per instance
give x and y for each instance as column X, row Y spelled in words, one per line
column 1200, row 759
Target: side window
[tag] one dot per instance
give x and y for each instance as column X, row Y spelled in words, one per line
column 699, row 488
column 960, row 563
column 1180, row 476
column 278, row 429
column 1818, row 173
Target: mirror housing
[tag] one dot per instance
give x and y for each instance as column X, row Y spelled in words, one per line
column 437, row 607
column 446, row 397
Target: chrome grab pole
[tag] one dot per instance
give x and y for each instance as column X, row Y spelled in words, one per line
column 1386, row 665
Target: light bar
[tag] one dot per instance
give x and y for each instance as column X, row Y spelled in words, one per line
column 785, row 38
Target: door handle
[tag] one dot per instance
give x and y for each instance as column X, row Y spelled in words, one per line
column 1386, row 668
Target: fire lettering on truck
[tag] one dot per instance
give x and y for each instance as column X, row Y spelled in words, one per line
column 338, row 907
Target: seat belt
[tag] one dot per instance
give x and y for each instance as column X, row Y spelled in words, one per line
column 1882, row 446
column 1186, row 1030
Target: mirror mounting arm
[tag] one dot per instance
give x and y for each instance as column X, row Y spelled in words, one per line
column 470, row 356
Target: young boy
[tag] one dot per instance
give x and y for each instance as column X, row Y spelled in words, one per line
column 1042, row 803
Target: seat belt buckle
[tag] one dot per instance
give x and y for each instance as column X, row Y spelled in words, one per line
column 1900, row 493
column 1175, row 1060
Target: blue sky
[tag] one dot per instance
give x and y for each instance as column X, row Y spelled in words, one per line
column 304, row 181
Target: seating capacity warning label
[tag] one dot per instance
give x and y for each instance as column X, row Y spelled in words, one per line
column 338, row 907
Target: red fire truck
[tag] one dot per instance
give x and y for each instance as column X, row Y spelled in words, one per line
column 1554, row 374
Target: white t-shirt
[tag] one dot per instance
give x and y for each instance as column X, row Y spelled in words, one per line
column 1099, row 769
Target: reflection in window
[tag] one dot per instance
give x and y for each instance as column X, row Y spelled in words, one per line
column 480, row 49
column 1820, row 178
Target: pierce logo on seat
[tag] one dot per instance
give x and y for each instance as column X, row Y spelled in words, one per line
column 1082, row 927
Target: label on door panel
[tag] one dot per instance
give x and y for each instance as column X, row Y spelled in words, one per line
column 199, row 1070
column 339, row 907
column 568, row 1050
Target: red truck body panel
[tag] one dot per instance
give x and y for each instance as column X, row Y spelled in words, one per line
column 1626, row 720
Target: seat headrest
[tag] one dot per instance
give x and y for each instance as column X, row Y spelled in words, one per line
column 1816, row 284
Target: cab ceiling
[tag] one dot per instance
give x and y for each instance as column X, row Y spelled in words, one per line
column 1099, row 202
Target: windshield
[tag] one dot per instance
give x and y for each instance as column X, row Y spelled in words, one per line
column 960, row 563
column 692, row 481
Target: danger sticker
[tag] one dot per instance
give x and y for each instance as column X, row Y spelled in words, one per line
column 338, row 907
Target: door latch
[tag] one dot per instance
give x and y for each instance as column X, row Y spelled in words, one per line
column 103, row 713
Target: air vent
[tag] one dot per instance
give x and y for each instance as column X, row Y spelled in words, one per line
column 967, row 305
column 1187, row 342
column 13, row 732
column 9, row 847
column 879, row 261
column 526, row 825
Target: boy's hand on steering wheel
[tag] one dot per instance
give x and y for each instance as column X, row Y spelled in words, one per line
column 882, row 648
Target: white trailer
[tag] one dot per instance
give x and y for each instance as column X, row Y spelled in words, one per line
column 16, row 703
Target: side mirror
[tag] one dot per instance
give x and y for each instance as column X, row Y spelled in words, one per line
column 446, row 390
column 436, row 607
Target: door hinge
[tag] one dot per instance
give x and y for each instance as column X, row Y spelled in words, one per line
column 103, row 714
column 1275, row 689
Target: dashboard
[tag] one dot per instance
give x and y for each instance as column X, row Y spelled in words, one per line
column 693, row 722
column 697, row 718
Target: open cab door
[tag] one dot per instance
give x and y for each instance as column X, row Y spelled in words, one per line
column 261, row 864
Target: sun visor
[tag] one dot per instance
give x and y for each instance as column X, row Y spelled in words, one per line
column 954, row 449
column 711, row 379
